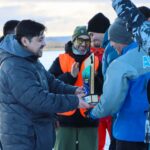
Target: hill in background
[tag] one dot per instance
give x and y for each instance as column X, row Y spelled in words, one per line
column 57, row 42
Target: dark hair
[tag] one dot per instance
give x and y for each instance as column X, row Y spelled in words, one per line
column 29, row 29
column 145, row 11
column 9, row 27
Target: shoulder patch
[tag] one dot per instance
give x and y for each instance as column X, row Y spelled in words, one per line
column 146, row 61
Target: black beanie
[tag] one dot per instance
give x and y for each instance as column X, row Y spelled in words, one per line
column 99, row 23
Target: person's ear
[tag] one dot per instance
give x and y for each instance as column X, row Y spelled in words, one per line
column 25, row 42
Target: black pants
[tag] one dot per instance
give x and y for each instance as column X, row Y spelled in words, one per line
column 112, row 145
column 124, row 145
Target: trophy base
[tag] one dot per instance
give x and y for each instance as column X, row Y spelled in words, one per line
column 92, row 99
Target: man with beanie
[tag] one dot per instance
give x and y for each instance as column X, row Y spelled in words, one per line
column 120, row 38
column 140, row 27
column 76, row 131
column 110, row 54
column 97, row 26
column 126, row 81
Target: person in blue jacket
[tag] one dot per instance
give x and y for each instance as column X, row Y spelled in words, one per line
column 111, row 54
column 29, row 95
column 126, row 81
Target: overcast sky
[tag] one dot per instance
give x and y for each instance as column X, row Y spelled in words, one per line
column 59, row 16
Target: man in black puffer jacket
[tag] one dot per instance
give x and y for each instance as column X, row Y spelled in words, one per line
column 29, row 95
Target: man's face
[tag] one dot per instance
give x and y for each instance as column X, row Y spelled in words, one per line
column 82, row 43
column 117, row 46
column 36, row 44
column 96, row 39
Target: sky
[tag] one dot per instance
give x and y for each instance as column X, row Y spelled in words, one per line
column 59, row 16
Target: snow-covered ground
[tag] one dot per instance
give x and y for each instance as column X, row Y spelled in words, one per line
column 47, row 59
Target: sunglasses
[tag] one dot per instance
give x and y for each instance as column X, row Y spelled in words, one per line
column 80, row 41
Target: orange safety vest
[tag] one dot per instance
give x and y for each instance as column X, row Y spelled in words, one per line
column 66, row 62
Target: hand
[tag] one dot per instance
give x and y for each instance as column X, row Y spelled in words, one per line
column 80, row 91
column 75, row 69
column 82, row 103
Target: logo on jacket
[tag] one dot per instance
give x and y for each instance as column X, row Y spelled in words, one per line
column 146, row 61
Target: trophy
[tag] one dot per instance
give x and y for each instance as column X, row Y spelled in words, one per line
column 88, row 80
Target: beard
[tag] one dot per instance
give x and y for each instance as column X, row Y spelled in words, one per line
column 96, row 43
column 39, row 53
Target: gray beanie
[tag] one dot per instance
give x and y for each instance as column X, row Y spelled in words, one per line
column 118, row 33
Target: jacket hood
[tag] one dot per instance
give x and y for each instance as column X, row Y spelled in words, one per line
column 10, row 45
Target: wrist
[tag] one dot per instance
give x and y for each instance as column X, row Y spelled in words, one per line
column 92, row 116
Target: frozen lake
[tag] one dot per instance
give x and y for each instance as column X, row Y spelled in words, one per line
column 47, row 59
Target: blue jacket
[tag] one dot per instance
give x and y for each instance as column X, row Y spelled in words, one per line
column 109, row 54
column 29, row 99
column 127, row 90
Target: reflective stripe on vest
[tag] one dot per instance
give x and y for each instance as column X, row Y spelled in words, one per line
column 66, row 62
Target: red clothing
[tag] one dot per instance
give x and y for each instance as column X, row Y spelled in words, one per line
column 104, row 124
column 98, row 52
